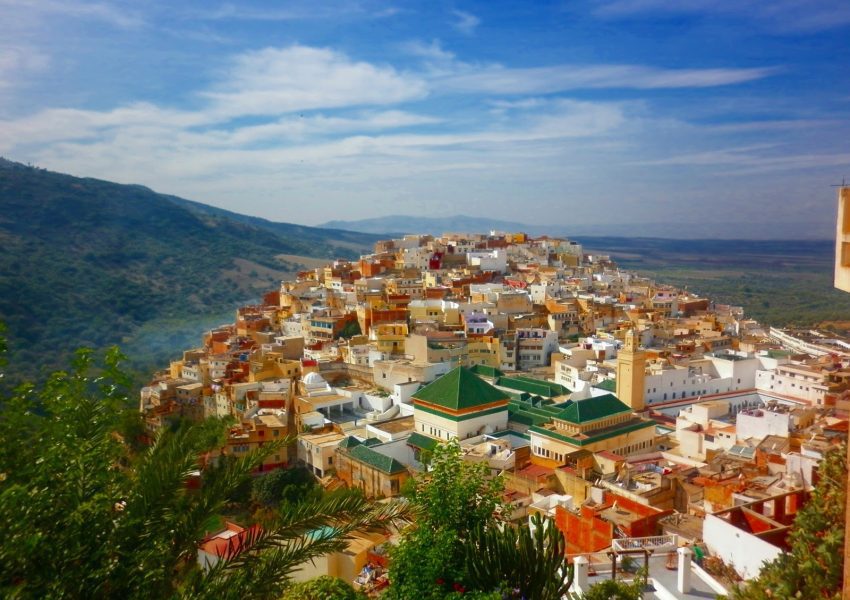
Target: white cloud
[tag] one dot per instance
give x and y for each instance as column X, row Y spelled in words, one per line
column 99, row 11
column 308, row 124
column 496, row 79
column 296, row 10
column 433, row 52
column 780, row 16
column 17, row 63
column 465, row 22
column 279, row 80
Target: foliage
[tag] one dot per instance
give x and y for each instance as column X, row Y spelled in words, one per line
column 283, row 485
column 89, row 262
column 85, row 518
column 617, row 589
column 323, row 588
column 350, row 329
column 533, row 563
column 450, row 501
column 813, row 567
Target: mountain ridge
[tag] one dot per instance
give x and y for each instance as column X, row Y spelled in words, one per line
column 91, row 262
column 401, row 224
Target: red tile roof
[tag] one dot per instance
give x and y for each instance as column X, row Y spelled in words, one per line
column 230, row 541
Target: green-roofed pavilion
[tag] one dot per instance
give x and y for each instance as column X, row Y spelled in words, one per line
column 593, row 409
column 460, row 389
column 459, row 405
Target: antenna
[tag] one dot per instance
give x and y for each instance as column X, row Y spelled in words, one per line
column 842, row 184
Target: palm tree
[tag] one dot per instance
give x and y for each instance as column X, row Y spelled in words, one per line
column 84, row 518
column 528, row 560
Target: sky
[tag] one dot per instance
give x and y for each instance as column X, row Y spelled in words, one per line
column 695, row 115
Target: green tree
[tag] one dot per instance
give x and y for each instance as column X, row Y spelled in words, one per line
column 323, row 588
column 290, row 485
column 85, row 518
column 533, row 563
column 617, row 589
column 813, row 567
column 449, row 502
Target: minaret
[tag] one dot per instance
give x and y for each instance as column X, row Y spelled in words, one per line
column 631, row 373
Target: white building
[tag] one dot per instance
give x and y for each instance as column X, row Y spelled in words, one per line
column 459, row 405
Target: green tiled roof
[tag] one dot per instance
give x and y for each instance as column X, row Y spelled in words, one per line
column 609, row 385
column 486, row 371
column 527, row 414
column 604, row 435
column 458, row 389
column 598, row 407
column 538, row 387
column 381, row 462
column 417, row 440
column 372, row 441
column 349, row 442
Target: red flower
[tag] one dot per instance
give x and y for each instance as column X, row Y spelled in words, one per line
column 459, row 588
column 440, row 581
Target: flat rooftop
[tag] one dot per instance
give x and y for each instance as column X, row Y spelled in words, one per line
column 396, row 425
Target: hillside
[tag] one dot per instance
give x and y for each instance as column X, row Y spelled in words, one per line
column 89, row 262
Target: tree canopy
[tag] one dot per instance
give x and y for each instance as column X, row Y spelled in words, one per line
column 85, row 517
column 814, row 566
column 449, row 502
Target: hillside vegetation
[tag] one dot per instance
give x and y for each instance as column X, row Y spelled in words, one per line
column 94, row 263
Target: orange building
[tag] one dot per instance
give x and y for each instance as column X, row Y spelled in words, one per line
column 595, row 526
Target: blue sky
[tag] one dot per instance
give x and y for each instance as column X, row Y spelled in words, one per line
column 703, row 114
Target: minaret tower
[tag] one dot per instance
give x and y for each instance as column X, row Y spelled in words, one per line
column 631, row 373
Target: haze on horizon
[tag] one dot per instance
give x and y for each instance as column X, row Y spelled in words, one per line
column 705, row 113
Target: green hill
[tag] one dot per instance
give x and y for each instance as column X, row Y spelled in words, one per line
column 89, row 262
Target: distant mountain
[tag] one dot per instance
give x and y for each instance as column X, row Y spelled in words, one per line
column 402, row 224
column 89, row 262
column 738, row 230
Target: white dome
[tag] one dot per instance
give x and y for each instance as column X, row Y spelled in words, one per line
column 314, row 378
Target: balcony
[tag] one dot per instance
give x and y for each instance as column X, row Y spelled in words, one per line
column 655, row 543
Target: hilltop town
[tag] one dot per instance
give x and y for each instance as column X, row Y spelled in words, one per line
column 638, row 417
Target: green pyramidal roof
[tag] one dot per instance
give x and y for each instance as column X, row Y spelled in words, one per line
column 598, row 407
column 459, row 389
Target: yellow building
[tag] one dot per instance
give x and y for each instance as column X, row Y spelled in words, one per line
column 596, row 424
column 483, row 351
column 272, row 365
column 631, row 372
column 389, row 338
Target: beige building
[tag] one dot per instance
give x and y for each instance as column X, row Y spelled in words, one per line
column 598, row 423
column 631, row 371
column 317, row 451
column 842, row 240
